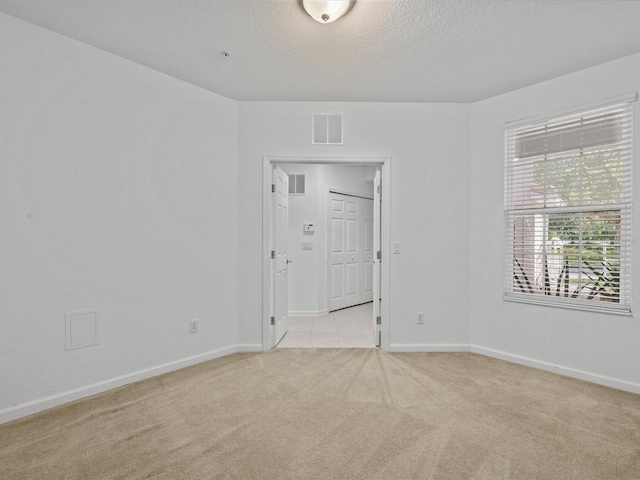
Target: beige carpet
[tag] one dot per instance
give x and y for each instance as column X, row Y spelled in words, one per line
column 336, row 414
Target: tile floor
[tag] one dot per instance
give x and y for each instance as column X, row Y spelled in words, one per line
column 347, row 328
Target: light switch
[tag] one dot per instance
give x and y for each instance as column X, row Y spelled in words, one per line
column 396, row 247
column 307, row 245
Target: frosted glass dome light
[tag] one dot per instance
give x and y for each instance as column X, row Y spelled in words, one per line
column 326, row 11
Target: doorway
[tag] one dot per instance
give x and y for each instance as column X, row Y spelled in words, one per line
column 271, row 282
column 346, row 328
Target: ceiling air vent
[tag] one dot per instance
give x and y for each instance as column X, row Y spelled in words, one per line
column 327, row 129
column 296, row 184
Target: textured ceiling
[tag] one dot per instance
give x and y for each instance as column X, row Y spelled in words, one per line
column 382, row 50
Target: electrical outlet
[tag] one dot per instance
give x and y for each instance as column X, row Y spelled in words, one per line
column 193, row 326
column 420, row 318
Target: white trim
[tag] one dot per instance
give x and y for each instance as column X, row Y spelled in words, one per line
column 560, row 370
column 385, row 163
column 520, row 360
column 266, row 253
column 28, row 408
column 309, row 313
column 249, row 347
column 35, row 406
column 624, row 98
column 427, row 348
column 328, row 160
column 569, row 303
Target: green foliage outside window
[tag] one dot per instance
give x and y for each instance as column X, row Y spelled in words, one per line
column 590, row 240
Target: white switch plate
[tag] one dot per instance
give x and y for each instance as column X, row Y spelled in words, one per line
column 396, row 247
column 307, row 245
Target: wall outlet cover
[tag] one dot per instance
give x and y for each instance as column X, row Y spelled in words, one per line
column 194, row 325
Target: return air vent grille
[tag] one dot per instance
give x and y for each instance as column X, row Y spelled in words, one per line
column 327, row 129
column 296, row 184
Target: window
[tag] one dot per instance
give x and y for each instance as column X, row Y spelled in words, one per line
column 568, row 199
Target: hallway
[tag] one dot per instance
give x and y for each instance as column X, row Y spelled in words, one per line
column 346, row 328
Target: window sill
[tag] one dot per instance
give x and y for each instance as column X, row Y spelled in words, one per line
column 572, row 304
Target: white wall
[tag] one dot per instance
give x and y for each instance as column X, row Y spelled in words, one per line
column 598, row 347
column 308, row 272
column 429, row 148
column 117, row 192
column 129, row 191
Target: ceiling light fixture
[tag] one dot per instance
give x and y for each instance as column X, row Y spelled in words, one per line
column 326, row 11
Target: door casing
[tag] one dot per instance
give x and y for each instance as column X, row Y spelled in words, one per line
column 267, row 235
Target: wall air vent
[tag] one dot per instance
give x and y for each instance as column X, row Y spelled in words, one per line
column 296, row 184
column 327, row 129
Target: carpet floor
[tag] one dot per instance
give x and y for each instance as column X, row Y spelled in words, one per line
column 336, row 414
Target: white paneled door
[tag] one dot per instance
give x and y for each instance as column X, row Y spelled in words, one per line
column 351, row 255
column 280, row 262
column 376, row 273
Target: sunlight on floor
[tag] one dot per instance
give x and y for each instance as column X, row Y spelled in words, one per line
column 347, row 328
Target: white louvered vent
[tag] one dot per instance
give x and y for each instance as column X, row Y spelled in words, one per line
column 327, row 129
column 296, row 184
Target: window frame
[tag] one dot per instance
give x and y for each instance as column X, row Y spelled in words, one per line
column 533, row 130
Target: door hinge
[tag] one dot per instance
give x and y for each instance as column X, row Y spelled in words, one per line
column 273, row 188
column 273, row 320
column 378, row 320
column 379, row 188
column 273, row 254
column 379, row 255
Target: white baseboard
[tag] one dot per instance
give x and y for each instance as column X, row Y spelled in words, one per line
column 35, row 406
column 527, row 362
column 566, row 371
column 250, row 347
column 29, row 408
column 403, row 347
column 309, row 313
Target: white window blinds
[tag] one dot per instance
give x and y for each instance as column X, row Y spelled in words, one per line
column 568, row 196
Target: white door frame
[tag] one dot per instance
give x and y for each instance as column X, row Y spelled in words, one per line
column 267, row 235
